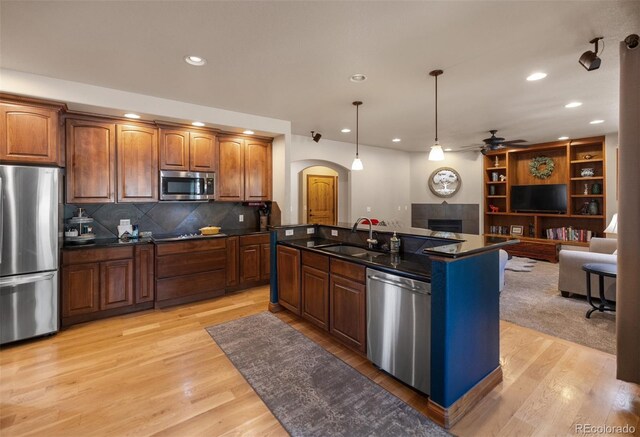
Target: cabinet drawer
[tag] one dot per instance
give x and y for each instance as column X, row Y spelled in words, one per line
column 349, row 270
column 315, row 260
column 77, row 256
column 181, row 264
column 190, row 246
column 187, row 285
column 247, row 240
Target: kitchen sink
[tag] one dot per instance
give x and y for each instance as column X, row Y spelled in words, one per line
column 355, row 251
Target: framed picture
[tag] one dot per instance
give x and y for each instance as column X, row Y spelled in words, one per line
column 444, row 182
column 517, row 230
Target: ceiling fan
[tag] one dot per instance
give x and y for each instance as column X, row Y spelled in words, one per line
column 497, row 143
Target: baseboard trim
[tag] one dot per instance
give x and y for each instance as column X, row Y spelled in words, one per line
column 447, row 417
column 275, row 307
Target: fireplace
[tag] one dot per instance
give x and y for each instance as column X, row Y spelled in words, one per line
column 445, row 225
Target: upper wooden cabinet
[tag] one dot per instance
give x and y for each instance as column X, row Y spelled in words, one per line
column 91, row 155
column 137, row 163
column 30, row 134
column 184, row 150
column 244, row 169
column 257, row 170
column 230, row 177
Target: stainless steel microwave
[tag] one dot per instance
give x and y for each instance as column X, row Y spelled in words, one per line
column 186, row 185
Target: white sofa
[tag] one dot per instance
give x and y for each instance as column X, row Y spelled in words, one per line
column 504, row 257
column 573, row 280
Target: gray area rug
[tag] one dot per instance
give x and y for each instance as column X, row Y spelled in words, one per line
column 517, row 264
column 532, row 299
column 310, row 391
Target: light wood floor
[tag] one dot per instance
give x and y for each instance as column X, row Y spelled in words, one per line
column 159, row 372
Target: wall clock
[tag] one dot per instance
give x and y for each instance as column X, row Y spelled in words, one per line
column 444, row 182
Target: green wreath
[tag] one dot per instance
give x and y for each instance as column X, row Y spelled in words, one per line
column 536, row 163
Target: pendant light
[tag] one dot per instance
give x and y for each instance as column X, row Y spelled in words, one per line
column 436, row 153
column 357, row 163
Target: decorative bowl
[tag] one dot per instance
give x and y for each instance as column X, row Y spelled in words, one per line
column 587, row 172
column 210, row 230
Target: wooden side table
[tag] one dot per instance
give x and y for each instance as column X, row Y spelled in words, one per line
column 602, row 270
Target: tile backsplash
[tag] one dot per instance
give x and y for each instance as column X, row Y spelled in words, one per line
column 167, row 218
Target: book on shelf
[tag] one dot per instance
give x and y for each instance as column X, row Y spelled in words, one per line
column 569, row 234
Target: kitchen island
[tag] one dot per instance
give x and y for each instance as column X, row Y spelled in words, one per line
column 322, row 272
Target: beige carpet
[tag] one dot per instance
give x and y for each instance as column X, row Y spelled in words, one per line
column 531, row 299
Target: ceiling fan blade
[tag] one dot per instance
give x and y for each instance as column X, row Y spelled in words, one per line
column 517, row 146
column 516, row 141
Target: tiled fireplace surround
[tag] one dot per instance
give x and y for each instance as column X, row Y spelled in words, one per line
column 468, row 213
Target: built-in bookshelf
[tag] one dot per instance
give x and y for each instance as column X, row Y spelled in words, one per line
column 508, row 167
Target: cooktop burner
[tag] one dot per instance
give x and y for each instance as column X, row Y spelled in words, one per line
column 180, row 237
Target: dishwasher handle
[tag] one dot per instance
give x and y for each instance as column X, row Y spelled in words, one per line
column 399, row 284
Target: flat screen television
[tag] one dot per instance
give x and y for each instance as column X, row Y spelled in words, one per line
column 548, row 198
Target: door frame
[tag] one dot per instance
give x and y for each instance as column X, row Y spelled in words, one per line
column 335, row 195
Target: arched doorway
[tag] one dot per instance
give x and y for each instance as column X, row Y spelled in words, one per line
column 301, row 170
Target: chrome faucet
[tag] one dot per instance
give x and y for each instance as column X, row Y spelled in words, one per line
column 370, row 241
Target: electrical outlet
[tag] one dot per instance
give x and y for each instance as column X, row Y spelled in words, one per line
column 241, row 218
column 288, row 232
column 334, row 232
column 311, row 230
column 368, row 209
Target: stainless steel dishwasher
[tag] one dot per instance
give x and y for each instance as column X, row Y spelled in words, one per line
column 399, row 327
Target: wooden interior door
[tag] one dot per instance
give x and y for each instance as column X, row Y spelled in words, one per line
column 322, row 198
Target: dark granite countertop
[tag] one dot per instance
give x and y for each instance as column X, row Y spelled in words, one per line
column 115, row 242
column 461, row 244
column 413, row 266
column 106, row 242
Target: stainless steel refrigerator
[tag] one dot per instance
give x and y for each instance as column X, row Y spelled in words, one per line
column 29, row 208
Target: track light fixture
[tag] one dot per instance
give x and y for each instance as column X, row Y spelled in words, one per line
column 316, row 136
column 589, row 59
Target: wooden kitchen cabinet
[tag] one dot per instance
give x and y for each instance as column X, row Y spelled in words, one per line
column 116, row 284
column 137, row 163
column 230, row 176
column 91, row 156
column 315, row 289
column 190, row 270
column 80, row 289
column 30, row 134
column 102, row 282
column 244, row 169
column 288, row 267
column 255, row 259
column 348, row 304
column 144, row 273
column 257, row 170
column 233, row 250
column 186, row 150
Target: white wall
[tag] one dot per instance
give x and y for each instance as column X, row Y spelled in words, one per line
column 383, row 185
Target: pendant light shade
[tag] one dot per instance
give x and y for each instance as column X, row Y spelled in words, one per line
column 436, row 153
column 357, row 163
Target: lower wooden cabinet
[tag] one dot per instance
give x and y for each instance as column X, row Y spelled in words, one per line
column 288, row 266
column 100, row 282
column 348, row 311
column 233, row 249
column 315, row 288
column 255, row 259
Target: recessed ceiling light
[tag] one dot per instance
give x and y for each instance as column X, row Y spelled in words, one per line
column 195, row 60
column 573, row 104
column 346, row 130
column 448, row 150
column 396, row 140
column 596, row 121
column 198, row 123
column 563, row 138
column 132, row 115
column 536, row 76
column 358, row 77
column 248, row 132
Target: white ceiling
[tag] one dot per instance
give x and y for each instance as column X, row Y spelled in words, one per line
column 293, row 60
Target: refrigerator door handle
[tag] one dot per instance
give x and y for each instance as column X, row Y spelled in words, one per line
column 12, row 281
